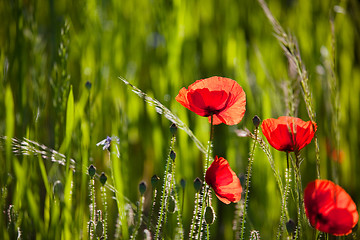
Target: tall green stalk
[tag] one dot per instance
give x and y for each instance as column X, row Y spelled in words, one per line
column 284, row 209
column 165, row 191
column 248, row 176
column 299, row 197
column 205, row 189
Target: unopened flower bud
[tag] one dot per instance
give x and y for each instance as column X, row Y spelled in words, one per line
column 172, row 155
column 197, row 184
column 154, row 181
column 103, row 178
column 173, row 129
column 142, row 188
column 99, row 229
column 209, row 215
column 88, row 85
column 256, row 121
column 172, row 205
column 290, row 227
column 182, row 183
column 92, row 170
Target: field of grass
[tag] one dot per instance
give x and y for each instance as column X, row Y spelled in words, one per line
column 64, row 69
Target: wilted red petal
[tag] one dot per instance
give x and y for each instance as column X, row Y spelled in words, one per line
column 330, row 208
column 224, row 181
column 222, row 97
column 288, row 134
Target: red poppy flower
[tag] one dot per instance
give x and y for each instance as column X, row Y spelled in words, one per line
column 329, row 208
column 288, row 134
column 221, row 97
column 224, row 181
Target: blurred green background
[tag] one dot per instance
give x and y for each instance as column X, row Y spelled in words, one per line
column 49, row 47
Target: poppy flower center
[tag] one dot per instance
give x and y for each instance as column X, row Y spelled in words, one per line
column 321, row 219
column 210, row 102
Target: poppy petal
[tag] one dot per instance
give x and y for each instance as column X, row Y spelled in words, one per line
column 221, row 97
column 330, row 208
column 288, row 134
column 224, row 181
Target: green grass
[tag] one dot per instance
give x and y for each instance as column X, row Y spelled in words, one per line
column 49, row 50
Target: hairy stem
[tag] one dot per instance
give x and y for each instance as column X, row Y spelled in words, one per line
column 248, row 176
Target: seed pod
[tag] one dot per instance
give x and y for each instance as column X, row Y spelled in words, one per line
column 99, row 230
column 209, row 215
column 172, row 205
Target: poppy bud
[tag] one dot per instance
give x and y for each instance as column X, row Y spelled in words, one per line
column 154, row 181
column 172, row 205
column 290, row 227
column 99, row 229
column 182, row 183
column 172, row 155
column 142, row 188
column 197, row 184
column 209, row 215
column 173, row 129
column 88, row 85
column 103, row 178
column 92, row 170
column 256, row 121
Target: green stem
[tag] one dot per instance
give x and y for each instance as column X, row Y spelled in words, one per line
column 152, row 209
column 103, row 194
column 92, row 213
column 193, row 221
column 284, row 210
column 208, row 153
column 251, row 159
column 180, row 229
column 298, row 194
column 205, row 187
column 165, row 192
column 140, row 215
